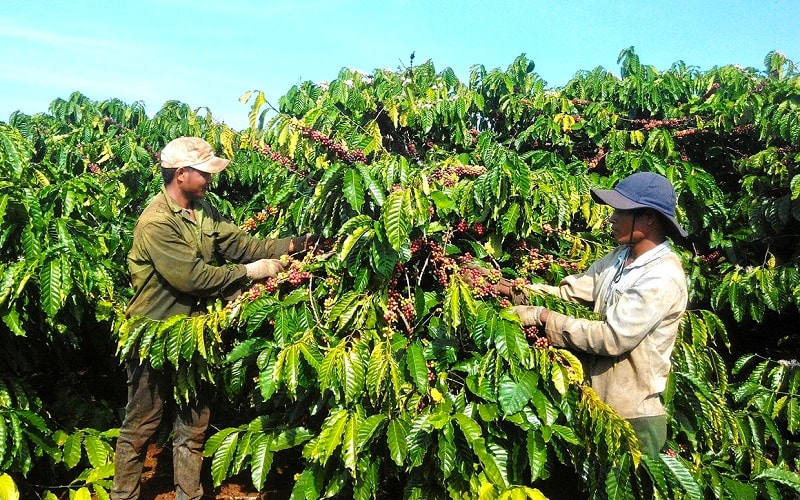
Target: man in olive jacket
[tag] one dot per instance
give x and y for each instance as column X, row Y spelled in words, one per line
column 184, row 255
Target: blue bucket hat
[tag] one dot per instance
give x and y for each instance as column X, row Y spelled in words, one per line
column 642, row 190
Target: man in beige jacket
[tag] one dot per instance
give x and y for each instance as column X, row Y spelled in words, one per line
column 639, row 291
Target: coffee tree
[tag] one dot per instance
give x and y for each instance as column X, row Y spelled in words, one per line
column 382, row 362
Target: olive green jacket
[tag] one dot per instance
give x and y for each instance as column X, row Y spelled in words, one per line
column 630, row 346
column 179, row 265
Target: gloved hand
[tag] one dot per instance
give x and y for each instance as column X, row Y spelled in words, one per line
column 264, row 268
column 502, row 286
column 303, row 243
column 505, row 287
column 530, row 315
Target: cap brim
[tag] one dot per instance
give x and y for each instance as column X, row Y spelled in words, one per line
column 212, row 166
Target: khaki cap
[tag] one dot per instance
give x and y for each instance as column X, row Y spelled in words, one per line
column 192, row 152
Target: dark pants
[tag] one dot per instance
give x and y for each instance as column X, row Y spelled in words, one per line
column 148, row 392
column 652, row 433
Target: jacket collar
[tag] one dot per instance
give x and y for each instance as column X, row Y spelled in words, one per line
column 651, row 255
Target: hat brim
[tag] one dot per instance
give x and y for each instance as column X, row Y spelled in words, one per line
column 616, row 200
column 212, row 166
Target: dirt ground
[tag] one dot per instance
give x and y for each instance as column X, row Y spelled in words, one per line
column 157, row 481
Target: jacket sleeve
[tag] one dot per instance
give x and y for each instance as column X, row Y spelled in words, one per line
column 635, row 313
column 179, row 263
column 576, row 288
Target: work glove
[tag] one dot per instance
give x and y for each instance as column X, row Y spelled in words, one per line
column 529, row 314
column 303, row 243
column 504, row 287
column 264, row 268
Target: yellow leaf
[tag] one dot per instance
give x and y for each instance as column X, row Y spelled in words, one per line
column 436, row 395
column 294, row 136
column 487, row 491
column 374, row 131
column 8, row 489
column 394, row 114
column 575, row 369
column 226, row 139
column 565, row 121
column 426, row 187
column 535, row 494
column 43, row 180
column 283, row 135
column 637, row 137
column 82, row 494
column 259, row 101
column 245, row 97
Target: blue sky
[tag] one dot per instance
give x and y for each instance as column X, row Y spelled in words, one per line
column 209, row 53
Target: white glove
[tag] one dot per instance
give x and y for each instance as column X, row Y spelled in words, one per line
column 529, row 314
column 264, row 268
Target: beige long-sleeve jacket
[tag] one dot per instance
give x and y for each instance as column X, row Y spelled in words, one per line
column 630, row 346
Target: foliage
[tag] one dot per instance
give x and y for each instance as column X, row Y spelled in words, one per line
column 379, row 359
column 27, row 437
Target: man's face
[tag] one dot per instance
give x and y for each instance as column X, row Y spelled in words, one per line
column 622, row 225
column 194, row 182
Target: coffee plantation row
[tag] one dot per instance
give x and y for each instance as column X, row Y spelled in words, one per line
column 375, row 365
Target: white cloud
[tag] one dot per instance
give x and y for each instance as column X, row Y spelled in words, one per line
column 63, row 42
